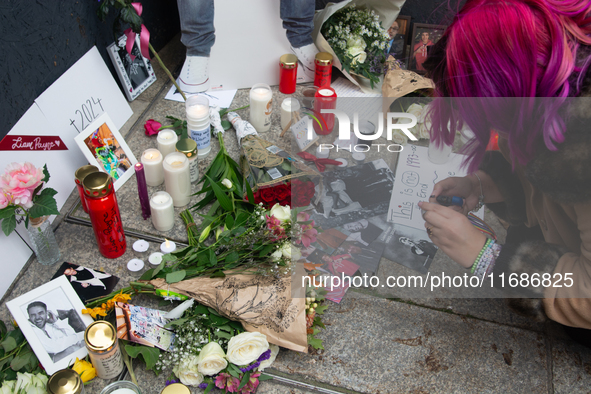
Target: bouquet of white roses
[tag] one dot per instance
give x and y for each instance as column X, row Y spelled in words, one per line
column 213, row 351
column 25, row 383
column 358, row 39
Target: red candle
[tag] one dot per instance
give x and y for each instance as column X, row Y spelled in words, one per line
column 323, row 69
column 79, row 175
column 288, row 73
column 325, row 98
column 104, row 214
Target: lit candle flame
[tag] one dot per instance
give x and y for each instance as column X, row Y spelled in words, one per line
column 167, row 243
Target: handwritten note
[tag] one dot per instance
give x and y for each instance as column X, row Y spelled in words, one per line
column 415, row 178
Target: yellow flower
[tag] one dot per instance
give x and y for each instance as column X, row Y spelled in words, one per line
column 122, row 298
column 94, row 312
column 84, row 369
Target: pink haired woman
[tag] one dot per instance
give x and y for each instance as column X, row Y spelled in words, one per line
column 521, row 68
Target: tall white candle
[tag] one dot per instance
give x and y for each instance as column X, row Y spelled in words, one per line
column 167, row 140
column 261, row 104
column 153, row 169
column 177, row 178
column 162, row 211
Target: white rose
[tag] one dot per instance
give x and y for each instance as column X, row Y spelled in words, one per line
column 291, row 252
column 415, row 109
column 187, row 371
column 276, row 255
column 23, row 381
column 40, row 380
column 212, row 359
column 282, row 213
column 358, row 55
column 246, row 347
column 357, row 42
column 36, row 390
column 267, row 363
column 226, row 182
column 398, row 137
column 7, row 387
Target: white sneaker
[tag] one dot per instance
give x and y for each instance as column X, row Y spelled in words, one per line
column 306, row 55
column 194, row 77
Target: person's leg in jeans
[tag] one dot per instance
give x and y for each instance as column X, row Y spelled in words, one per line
column 198, row 35
column 297, row 16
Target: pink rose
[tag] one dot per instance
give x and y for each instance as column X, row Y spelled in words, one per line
column 4, row 200
column 20, row 181
column 152, row 127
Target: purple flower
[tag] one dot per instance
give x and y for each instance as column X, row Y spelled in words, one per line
column 265, row 356
column 251, row 367
column 171, row 381
column 203, row 386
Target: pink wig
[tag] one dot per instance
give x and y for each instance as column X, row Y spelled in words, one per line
column 509, row 49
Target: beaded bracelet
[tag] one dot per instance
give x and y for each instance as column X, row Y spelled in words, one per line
column 485, row 263
column 480, row 255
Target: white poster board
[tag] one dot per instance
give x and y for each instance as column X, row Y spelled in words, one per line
column 249, row 40
column 415, row 178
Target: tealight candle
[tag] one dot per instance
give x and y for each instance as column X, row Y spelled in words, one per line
column 261, row 106
column 167, row 246
column 167, row 140
column 162, row 211
column 322, row 153
column 155, row 258
column 288, row 107
column 135, row 265
column 153, row 170
column 177, row 178
column 358, row 157
column 343, row 165
column 140, row 247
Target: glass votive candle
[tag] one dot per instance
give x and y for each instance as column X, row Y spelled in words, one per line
column 121, row 387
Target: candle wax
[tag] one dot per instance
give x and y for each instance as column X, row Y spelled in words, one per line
column 198, row 111
column 167, row 246
column 124, row 391
column 325, row 92
column 140, row 245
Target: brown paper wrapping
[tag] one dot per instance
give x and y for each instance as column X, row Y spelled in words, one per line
column 260, row 303
column 399, row 82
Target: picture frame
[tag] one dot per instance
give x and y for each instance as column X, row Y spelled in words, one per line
column 104, row 147
column 398, row 48
column 419, row 49
column 60, row 339
column 135, row 75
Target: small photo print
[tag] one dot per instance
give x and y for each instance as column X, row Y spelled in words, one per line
column 87, row 282
column 107, row 151
column 409, row 247
column 356, row 193
column 144, row 326
column 424, row 36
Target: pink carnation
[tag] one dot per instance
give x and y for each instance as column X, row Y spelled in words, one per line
column 20, row 181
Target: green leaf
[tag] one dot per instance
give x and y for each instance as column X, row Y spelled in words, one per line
column 223, row 199
column 266, row 250
column 244, row 380
column 226, row 124
column 45, row 174
column 218, row 320
column 149, row 354
column 212, row 258
column 264, row 377
column 229, row 222
column 48, row 192
column 223, row 334
column 209, row 387
column 3, row 329
column 315, row 342
column 176, row 276
column 149, row 274
column 218, row 274
column 232, row 257
column 19, row 361
column 8, row 212
column 249, row 192
column 8, row 225
column 44, row 205
column 9, row 344
column 320, row 309
column 201, row 310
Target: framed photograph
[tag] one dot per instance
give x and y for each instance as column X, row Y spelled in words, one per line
column 424, row 36
column 50, row 318
column 135, row 75
column 104, row 147
column 399, row 32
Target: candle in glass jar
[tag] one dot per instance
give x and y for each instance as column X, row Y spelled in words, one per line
column 162, row 211
column 288, row 107
column 153, row 170
column 198, row 123
column 167, row 140
column 177, row 178
column 326, row 98
column 261, row 107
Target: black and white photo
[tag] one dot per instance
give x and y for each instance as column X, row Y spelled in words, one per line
column 356, row 193
column 50, row 318
column 409, row 247
column 87, row 282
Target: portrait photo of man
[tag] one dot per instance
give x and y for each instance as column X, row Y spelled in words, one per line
column 424, row 36
column 61, row 332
